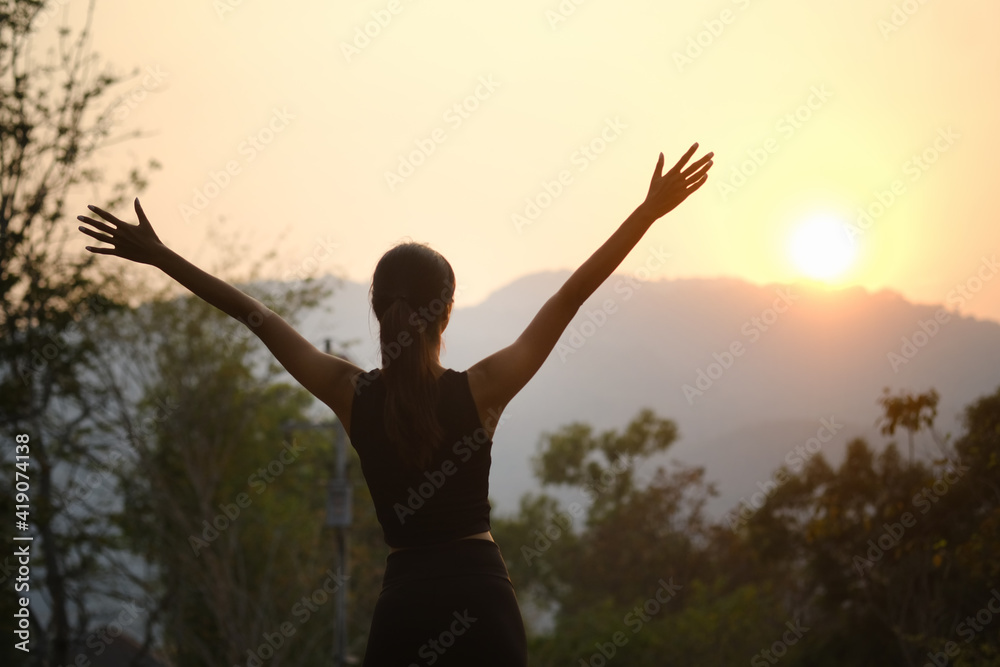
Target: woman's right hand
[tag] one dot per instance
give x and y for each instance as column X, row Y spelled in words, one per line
column 137, row 243
column 668, row 190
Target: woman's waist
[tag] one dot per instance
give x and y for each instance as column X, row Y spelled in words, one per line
column 485, row 535
column 471, row 555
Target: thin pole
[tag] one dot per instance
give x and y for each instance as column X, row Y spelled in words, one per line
column 341, row 632
column 341, row 487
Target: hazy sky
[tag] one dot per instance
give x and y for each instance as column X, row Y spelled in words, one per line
column 812, row 109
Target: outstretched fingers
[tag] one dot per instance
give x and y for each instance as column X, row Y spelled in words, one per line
column 696, row 166
column 95, row 223
column 699, row 168
column 108, row 235
column 104, row 214
column 684, row 158
column 100, row 237
column 100, row 251
column 697, row 183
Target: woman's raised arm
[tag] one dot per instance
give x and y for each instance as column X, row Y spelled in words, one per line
column 495, row 380
column 325, row 376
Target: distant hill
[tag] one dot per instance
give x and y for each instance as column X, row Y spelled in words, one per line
column 762, row 364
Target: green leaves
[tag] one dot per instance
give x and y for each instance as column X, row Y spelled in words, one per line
column 876, row 555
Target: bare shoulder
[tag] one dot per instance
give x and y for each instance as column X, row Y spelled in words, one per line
column 345, row 381
column 488, row 405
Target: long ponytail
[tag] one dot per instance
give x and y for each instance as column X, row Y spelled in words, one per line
column 412, row 291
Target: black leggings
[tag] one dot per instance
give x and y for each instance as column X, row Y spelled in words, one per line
column 449, row 604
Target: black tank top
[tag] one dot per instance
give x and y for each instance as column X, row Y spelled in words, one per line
column 447, row 499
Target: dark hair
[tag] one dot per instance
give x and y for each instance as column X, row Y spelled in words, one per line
column 412, row 290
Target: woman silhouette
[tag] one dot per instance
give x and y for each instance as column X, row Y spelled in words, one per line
column 423, row 432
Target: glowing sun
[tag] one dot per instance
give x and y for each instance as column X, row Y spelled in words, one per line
column 820, row 248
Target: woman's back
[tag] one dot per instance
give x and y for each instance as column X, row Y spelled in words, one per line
column 446, row 499
column 445, row 600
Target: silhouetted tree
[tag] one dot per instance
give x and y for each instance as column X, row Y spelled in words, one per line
column 912, row 412
column 879, row 560
column 51, row 128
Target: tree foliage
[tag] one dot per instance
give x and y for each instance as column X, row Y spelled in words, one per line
column 223, row 502
column 54, row 120
column 879, row 560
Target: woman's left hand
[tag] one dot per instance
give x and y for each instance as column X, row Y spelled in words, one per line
column 668, row 190
column 137, row 243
